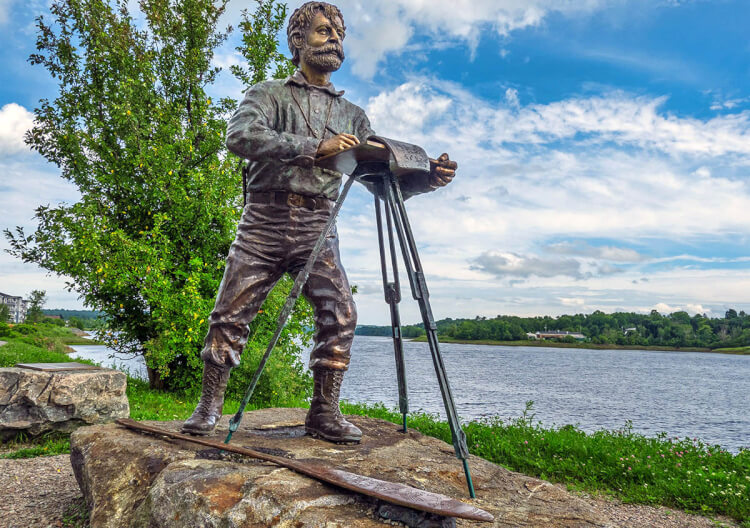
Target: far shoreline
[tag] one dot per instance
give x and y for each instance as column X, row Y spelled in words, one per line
column 743, row 351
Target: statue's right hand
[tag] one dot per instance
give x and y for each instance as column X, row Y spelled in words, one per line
column 336, row 144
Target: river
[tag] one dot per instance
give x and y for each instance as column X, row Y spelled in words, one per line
column 680, row 393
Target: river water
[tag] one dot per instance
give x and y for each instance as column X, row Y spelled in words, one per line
column 680, row 393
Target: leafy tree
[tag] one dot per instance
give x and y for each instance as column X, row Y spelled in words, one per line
column 260, row 45
column 77, row 322
column 4, row 313
column 34, row 313
column 134, row 129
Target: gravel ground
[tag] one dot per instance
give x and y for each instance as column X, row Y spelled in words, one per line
column 42, row 492
column 37, row 492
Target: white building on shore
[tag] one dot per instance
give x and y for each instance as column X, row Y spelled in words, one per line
column 17, row 305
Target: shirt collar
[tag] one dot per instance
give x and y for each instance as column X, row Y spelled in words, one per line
column 299, row 79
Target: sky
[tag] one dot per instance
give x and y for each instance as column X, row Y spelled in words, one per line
column 603, row 150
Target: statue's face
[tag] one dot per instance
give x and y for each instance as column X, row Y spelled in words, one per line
column 323, row 49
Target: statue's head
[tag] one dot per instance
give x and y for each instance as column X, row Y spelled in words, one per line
column 315, row 35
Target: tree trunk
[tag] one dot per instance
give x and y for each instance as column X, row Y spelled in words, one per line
column 154, row 380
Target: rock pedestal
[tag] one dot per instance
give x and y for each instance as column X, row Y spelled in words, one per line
column 135, row 480
column 37, row 401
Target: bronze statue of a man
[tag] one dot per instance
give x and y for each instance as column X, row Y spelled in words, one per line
column 282, row 127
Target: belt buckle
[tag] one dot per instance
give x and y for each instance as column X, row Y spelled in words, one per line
column 295, row 200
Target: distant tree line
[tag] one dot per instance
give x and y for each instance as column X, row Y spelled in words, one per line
column 677, row 329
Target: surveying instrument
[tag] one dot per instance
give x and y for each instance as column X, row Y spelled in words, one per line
column 381, row 165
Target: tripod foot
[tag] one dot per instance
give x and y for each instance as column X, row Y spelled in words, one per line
column 468, row 479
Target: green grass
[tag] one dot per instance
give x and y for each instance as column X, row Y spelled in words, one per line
column 681, row 473
column 18, row 351
column 46, row 445
column 745, row 351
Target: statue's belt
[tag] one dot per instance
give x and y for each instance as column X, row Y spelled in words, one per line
column 289, row 199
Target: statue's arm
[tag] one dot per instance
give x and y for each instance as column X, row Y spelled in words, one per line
column 252, row 132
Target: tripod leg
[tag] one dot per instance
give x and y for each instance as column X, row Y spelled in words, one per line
column 395, row 202
column 392, row 292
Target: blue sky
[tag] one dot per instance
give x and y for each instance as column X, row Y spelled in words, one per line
column 603, row 150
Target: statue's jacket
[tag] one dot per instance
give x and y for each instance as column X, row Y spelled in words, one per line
column 278, row 127
column 270, row 128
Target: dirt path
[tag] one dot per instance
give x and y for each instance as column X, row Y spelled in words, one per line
column 43, row 492
column 37, row 492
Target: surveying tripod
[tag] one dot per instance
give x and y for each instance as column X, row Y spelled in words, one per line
column 379, row 165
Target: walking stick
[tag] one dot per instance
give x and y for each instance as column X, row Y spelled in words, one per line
column 286, row 310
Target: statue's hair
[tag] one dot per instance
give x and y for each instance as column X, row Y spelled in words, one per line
column 303, row 16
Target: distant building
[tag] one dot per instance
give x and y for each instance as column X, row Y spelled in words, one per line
column 17, row 305
column 530, row 335
column 628, row 330
column 553, row 334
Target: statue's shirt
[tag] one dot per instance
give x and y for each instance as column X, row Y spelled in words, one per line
column 272, row 128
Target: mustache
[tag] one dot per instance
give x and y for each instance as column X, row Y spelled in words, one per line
column 330, row 48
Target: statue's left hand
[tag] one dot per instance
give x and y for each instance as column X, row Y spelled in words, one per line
column 442, row 172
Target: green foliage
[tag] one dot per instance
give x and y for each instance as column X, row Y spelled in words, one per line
column 260, row 44
column 674, row 330
column 4, row 313
column 409, row 331
column 134, row 130
column 77, row 322
column 34, row 313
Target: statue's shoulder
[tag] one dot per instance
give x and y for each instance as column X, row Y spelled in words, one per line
column 270, row 87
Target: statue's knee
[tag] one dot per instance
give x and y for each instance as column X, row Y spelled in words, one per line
column 346, row 317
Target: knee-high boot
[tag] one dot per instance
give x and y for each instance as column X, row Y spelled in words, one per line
column 207, row 413
column 324, row 418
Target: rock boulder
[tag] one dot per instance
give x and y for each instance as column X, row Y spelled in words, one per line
column 37, row 401
column 135, row 480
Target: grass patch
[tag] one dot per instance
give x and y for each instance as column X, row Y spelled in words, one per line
column 20, row 351
column 745, row 351
column 680, row 473
column 76, row 515
column 45, row 445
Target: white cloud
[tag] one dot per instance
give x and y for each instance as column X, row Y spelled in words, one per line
column 511, row 98
column 579, row 248
column 729, row 104
column 377, row 29
column 692, row 309
column 623, row 119
column 615, row 169
column 5, row 6
column 503, row 265
column 15, row 120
